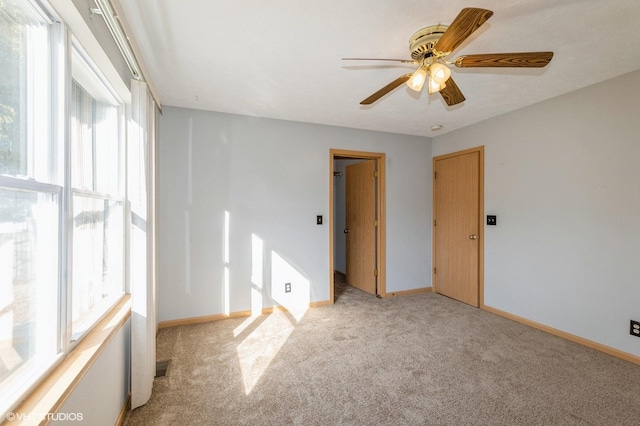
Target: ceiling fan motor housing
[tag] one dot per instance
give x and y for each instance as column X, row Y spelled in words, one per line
column 422, row 42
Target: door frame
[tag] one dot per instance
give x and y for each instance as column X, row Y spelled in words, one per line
column 380, row 210
column 480, row 151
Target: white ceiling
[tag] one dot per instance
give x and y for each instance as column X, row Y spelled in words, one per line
column 282, row 58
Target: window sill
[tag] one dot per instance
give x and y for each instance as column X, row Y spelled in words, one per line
column 52, row 392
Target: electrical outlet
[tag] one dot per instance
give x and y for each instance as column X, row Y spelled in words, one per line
column 635, row 328
column 287, row 287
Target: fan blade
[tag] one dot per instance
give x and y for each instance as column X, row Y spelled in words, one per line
column 523, row 59
column 404, row 61
column 468, row 20
column 386, row 89
column 451, row 93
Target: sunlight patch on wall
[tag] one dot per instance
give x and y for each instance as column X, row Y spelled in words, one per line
column 257, row 254
column 289, row 287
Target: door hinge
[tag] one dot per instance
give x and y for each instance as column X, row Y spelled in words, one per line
column 434, row 222
column 435, row 175
column 434, row 271
column 375, row 272
column 375, row 223
column 375, row 173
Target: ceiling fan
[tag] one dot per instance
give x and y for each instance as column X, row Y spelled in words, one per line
column 431, row 45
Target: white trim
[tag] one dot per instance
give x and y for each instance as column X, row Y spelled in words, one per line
column 81, row 31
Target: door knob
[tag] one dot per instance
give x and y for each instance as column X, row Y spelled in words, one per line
column 346, row 231
column 473, row 237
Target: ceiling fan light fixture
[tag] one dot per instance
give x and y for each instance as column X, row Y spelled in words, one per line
column 439, row 73
column 434, row 86
column 417, row 79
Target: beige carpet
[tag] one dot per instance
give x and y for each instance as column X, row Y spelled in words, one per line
column 410, row 360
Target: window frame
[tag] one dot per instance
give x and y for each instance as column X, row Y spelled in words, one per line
column 74, row 337
column 62, row 42
column 49, row 182
column 42, row 369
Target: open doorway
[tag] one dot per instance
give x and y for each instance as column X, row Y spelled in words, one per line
column 357, row 221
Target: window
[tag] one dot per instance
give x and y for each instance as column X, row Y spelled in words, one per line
column 98, row 214
column 24, row 91
column 62, row 228
column 30, row 202
column 28, row 285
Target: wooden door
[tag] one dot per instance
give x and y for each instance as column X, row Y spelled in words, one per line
column 360, row 222
column 457, row 225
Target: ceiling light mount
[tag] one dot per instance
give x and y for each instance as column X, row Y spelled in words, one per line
column 423, row 41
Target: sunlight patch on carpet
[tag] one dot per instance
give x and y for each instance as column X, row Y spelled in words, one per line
column 254, row 356
column 242, row 327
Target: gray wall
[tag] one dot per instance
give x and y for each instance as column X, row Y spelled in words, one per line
column 272, row 177
column 563, row 178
